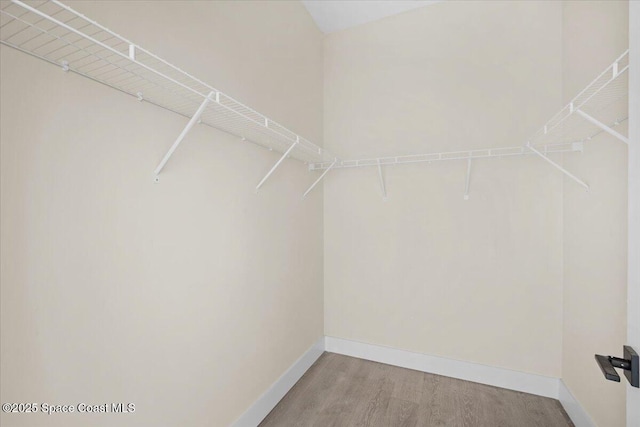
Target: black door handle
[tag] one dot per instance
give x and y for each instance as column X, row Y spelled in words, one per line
column 629, row 363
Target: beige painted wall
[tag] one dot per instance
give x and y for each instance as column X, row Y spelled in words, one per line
column 116, row 289
column 189, row 297
column 426, row 271
column 595, row 33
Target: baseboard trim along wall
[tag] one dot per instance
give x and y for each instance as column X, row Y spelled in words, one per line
column 483, row 374
column 499, row 377
column 575, row 411
column 270, row 398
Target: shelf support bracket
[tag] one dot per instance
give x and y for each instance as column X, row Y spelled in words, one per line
column 603, row 126
column 284, row 156
column 184, row 132
column 560, row 168
column 319, row 178
column 382, row 186
column 466, row 185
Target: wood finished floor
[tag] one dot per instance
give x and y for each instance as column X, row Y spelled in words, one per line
column 344, row 391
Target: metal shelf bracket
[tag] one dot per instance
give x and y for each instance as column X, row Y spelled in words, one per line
column 382, row 185
column 557, row 166
column 319, row 178
column 466, row 185
column 273, row 169
column 603, row 126
column 184, row 133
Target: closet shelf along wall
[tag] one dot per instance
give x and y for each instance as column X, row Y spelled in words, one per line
column 53, row 32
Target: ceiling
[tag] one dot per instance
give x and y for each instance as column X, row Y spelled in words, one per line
column 335, row 15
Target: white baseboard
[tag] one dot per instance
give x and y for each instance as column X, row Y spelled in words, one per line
column 270, row 398
column 571, row 406
column 499, row 377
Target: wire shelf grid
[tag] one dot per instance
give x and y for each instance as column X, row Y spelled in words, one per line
column 604, row 99
column 451, row 155
column 52, row 31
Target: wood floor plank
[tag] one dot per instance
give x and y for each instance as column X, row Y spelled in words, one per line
column 313, row 390
column 439, row 404
column 401, row 413
column 409, row 385
column 338, row 407
column 373, row 407
column 344, row 391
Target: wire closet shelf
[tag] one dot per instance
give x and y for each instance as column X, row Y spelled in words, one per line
column 54, row 32
column 600, row 107
column 50, row 30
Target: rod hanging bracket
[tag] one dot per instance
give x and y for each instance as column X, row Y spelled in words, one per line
column 65, row 66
